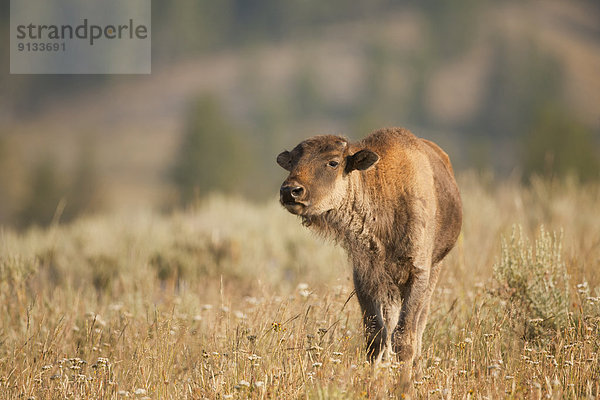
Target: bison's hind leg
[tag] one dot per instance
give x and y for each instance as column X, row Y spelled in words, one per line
column 414, row 294
column 408, row 337
column 424, row 314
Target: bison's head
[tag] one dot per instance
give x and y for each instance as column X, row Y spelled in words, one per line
column 320, row 168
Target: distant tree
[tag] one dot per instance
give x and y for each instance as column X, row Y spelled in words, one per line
column 306, row 98
column 523, row 77
column 212, row 155
column 374, row 102
column 6, row 182
column 84, row 194
column 53, row 196
column 452, row 25
column 557, row 145
column 43, row 201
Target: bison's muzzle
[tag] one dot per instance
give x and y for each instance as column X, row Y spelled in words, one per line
column 291, row 197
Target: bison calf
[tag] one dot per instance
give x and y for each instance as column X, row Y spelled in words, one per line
column 392, row 202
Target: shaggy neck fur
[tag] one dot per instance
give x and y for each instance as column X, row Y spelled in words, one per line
column 357, row 223
column 373, row 237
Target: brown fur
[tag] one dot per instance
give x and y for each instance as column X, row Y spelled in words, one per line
column 397, row 217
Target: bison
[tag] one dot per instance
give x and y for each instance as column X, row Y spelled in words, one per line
column 392, row 202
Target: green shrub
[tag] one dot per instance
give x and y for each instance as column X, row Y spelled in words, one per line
column 104, row 270
column 533, row 281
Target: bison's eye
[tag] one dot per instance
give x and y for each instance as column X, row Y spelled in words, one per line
column 333, row 164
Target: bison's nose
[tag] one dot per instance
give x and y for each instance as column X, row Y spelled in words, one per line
column 291, row 193
column 297, row 192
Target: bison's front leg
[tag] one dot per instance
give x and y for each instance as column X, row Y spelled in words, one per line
column 372, row 319
column 380, row 317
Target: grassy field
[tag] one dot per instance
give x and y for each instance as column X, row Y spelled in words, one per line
column 233, row 300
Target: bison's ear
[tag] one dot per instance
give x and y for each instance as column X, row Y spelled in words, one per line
column 361, row 160
column 284, row 160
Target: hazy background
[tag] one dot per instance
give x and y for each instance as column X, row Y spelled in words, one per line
column 510, row 87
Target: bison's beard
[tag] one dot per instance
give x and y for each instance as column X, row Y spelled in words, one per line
column 295, row 208
column 318, row 221
column 306, row 212
column 309, row 212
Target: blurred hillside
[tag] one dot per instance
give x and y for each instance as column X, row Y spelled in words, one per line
column 507, row 86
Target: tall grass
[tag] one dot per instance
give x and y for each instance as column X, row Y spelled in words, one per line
column 238, row 300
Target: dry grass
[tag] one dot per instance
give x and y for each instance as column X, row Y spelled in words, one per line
column 232, row 300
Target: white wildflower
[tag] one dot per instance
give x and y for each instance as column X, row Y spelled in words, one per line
column 242, row 384
column 239, row 315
